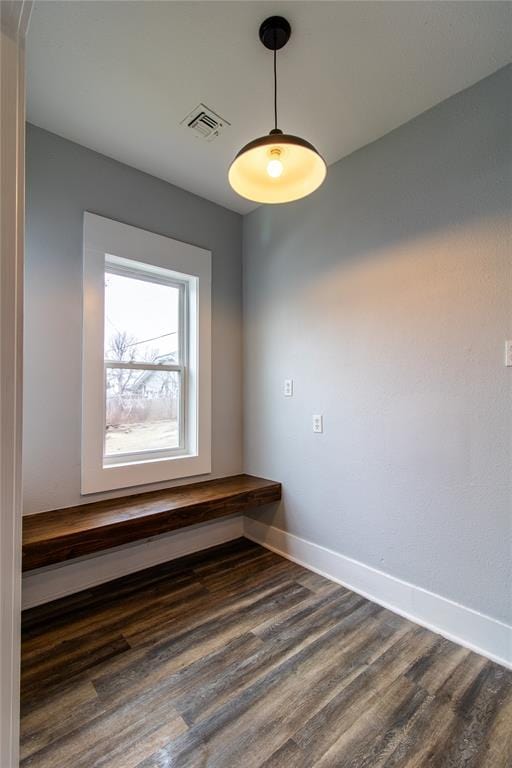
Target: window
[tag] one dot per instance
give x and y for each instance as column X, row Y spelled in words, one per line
column 146, row 372
column 145, row 362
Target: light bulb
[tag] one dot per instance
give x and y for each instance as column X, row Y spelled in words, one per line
column 275, row 168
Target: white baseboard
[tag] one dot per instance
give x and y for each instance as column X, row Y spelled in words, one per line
column 45, row 584
column 462, row 625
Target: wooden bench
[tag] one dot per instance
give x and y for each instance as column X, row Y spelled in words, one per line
column 62, row 534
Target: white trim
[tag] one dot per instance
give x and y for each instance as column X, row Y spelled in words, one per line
column 102, row 239
column 45, row 584
column 14, row 18
column 471, row 629
column 462, row 625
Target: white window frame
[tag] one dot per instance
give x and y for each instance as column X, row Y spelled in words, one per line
column 114, row 265
column 112, row 246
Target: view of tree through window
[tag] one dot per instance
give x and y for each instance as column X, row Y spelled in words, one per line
column 143, row 365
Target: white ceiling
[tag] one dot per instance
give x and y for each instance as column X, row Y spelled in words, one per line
column 119, row 76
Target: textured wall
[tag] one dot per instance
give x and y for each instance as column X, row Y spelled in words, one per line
column 387, row 297
column 63, row 180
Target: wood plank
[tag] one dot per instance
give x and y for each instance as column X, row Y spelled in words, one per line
column 279, row 670
column 62, row 534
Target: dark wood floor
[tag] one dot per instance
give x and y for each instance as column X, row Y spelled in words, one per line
column 237, row 658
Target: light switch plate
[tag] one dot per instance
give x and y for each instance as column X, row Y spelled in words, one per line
column 508, row 353
column 318, row 423
column 288, row 388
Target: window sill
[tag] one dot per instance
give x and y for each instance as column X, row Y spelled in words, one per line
column 110, row 477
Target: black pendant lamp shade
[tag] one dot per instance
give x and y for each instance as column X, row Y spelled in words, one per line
column 280, row 167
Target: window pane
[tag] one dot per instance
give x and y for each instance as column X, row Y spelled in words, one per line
column 142, row 411
column 141, row 320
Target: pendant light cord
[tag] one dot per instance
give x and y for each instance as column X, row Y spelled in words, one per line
column 275, row 88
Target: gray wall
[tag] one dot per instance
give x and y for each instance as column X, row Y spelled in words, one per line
column 63, row 180
column 387, row 297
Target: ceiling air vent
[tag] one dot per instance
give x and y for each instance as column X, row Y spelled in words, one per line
column 205, row 123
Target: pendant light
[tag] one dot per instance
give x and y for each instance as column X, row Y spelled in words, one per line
column 277, row 168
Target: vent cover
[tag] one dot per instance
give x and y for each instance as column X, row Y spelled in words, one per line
column 205, row 123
